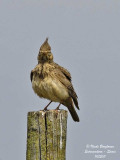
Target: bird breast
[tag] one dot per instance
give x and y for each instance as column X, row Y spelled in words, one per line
column 49, row 88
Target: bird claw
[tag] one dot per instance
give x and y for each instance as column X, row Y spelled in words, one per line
column 57, row 108
column 45, row 109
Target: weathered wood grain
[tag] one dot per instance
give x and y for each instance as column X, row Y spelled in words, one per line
column 46, row 135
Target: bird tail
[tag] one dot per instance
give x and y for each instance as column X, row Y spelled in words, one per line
column 73, row 113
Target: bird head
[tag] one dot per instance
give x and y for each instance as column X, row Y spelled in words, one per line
column 45, row 54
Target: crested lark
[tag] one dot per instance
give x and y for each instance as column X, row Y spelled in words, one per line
column 53, row 82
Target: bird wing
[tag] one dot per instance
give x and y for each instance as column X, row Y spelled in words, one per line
column 63, row 70
column 67, row 83
column 31, row 75
column 36, row 70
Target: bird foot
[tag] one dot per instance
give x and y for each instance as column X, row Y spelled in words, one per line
column 45, row 109
column 58, row 107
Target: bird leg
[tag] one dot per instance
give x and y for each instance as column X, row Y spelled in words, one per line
column 47, row 106
column 58, row 107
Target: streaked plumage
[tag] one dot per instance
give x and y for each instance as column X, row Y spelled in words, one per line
column 53, row 82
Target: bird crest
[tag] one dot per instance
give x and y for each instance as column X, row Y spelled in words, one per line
column 45, row 47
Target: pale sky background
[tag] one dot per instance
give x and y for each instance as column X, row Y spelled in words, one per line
column 85, row 39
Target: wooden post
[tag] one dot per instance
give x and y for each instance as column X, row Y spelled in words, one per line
column 46, row 135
